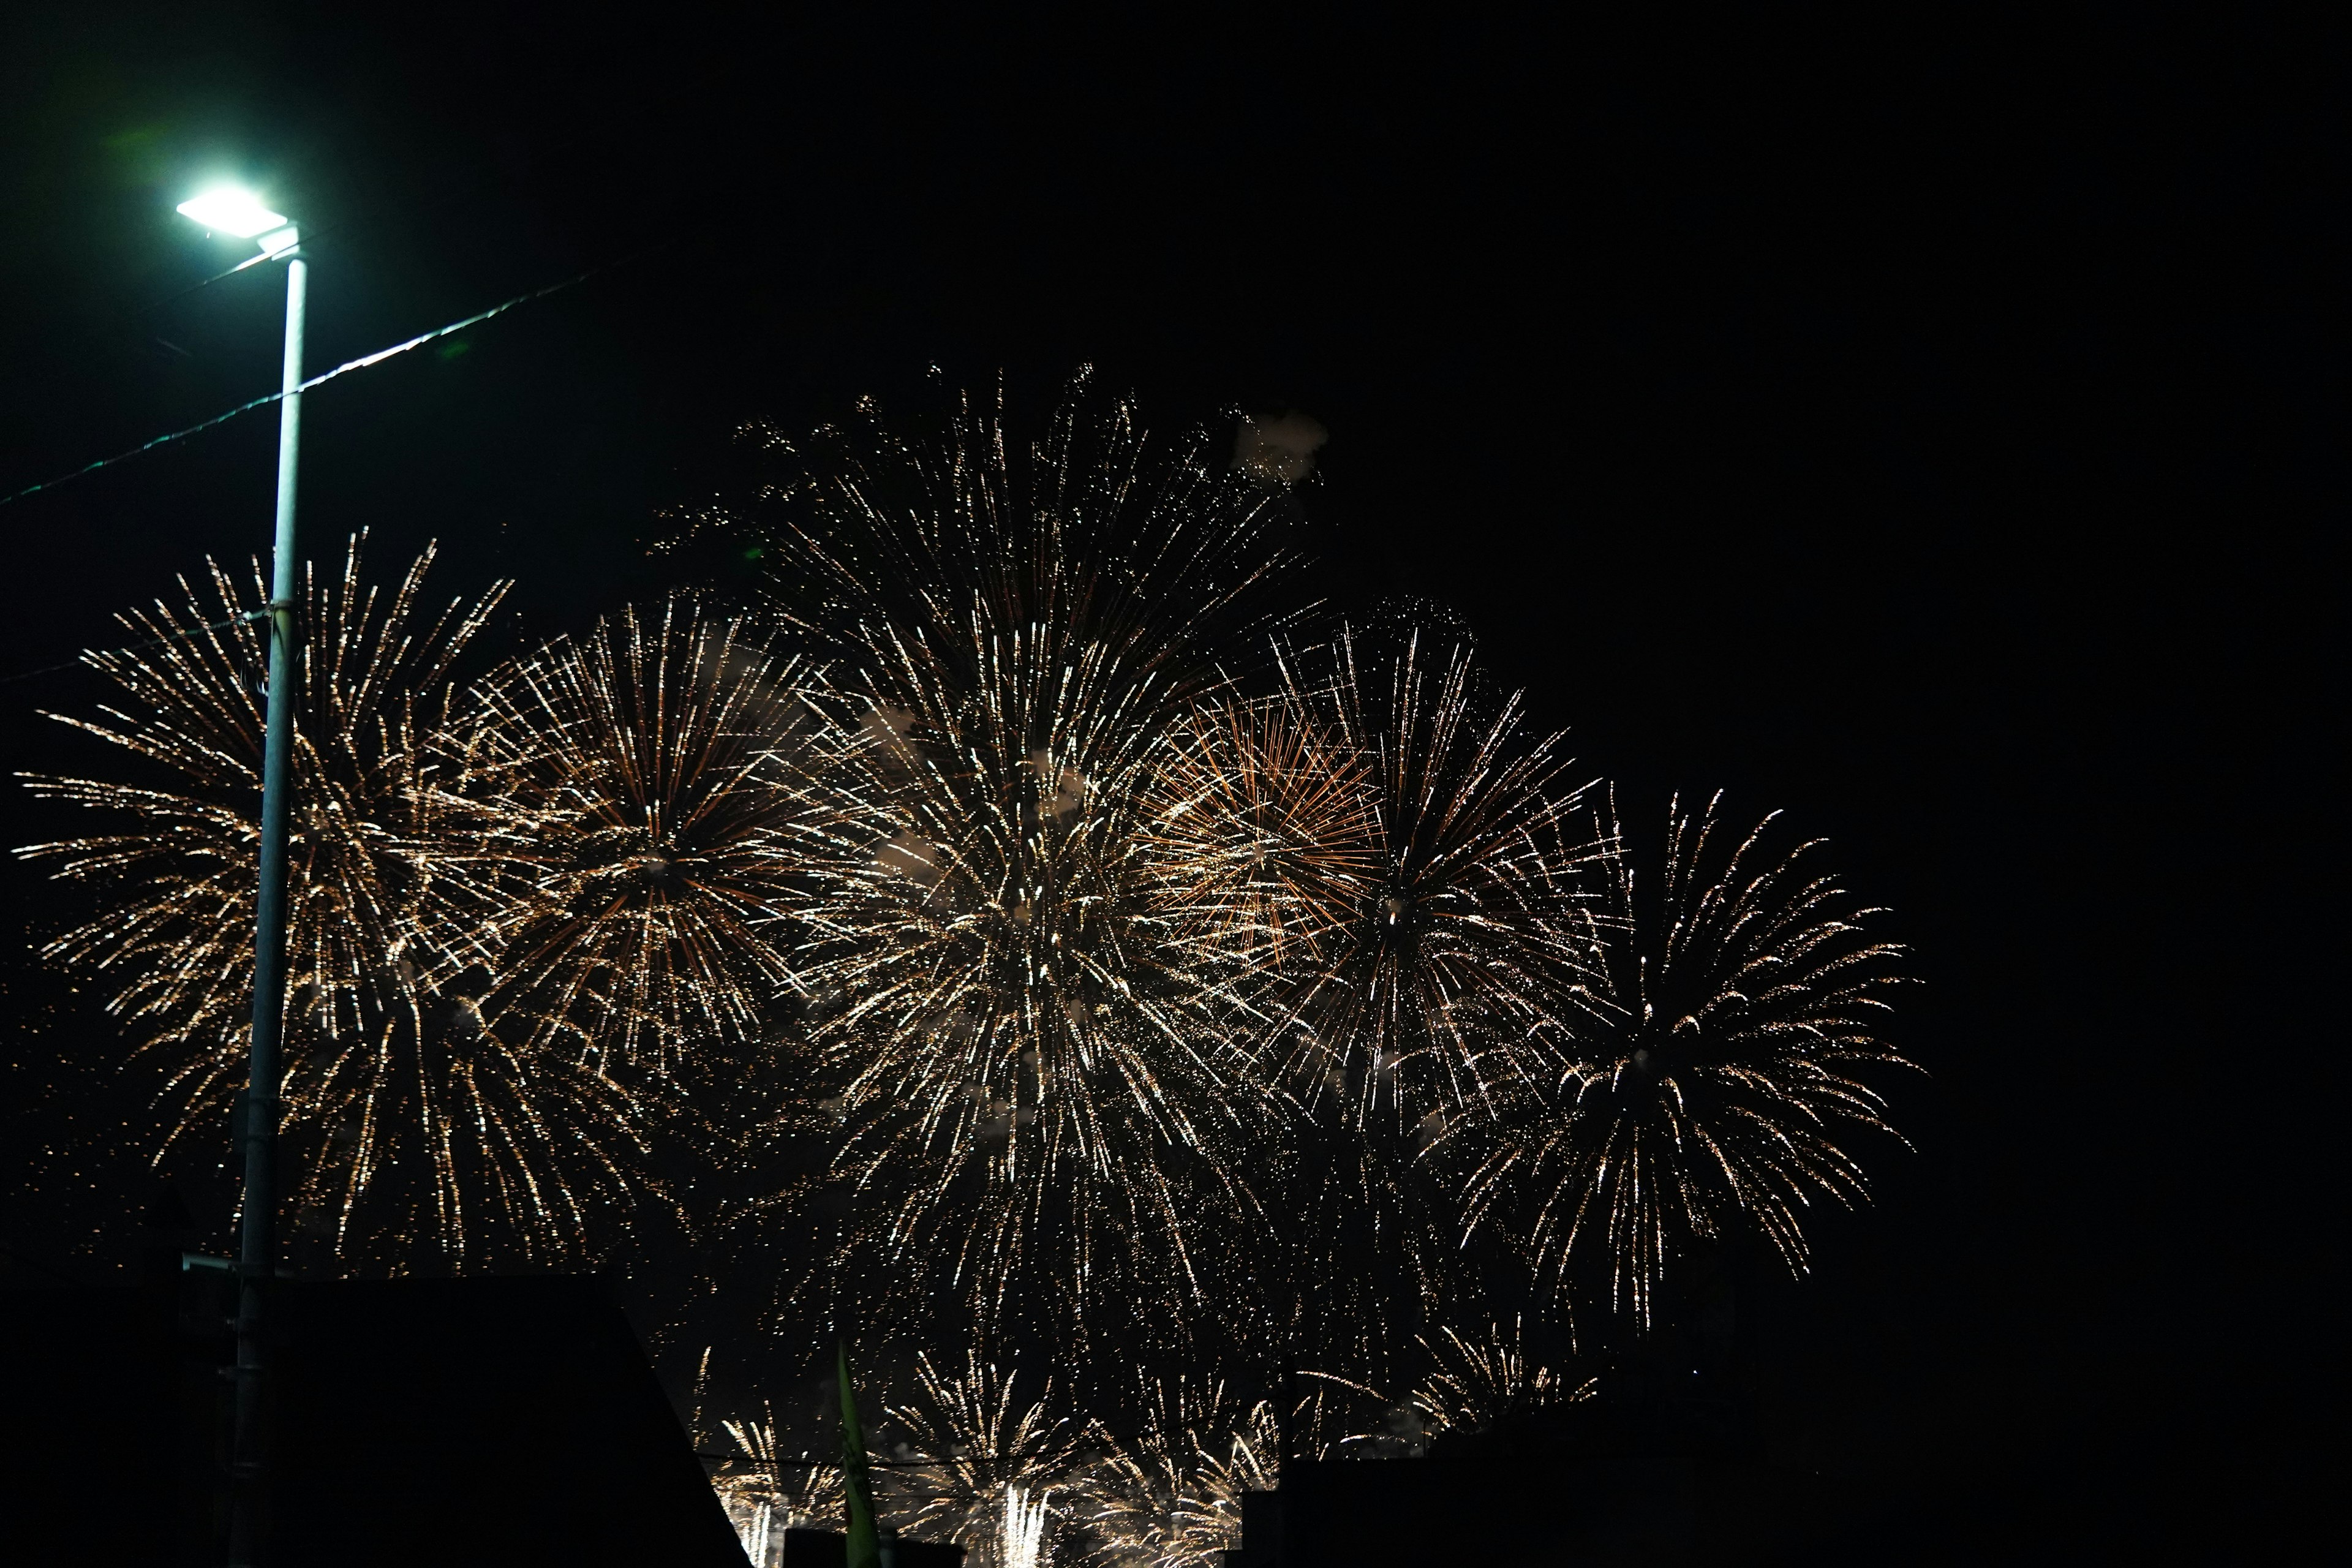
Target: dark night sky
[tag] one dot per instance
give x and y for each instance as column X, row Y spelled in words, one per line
column 1909, row 421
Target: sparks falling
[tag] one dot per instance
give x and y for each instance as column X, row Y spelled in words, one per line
column 1045, row 1065
column 984, row 1462
column 1717, row 1079
column 419, row 1130
column 1131, row 965
column 645, row 785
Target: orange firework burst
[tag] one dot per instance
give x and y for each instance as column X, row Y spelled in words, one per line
column 1264, row 829
column 1466, row 907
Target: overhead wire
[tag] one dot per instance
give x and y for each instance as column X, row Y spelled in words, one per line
column 144, row 643
column 344, row 369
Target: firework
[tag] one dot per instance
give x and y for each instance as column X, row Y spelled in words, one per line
column 1173, row 1497
column 1048, row 1084
column 1091, row 964
column 1023, row 1536
column 1264, row 831
column 1359, row 1249
column 1400, row 854
column 1474, row 1382
column 1043, row 1056
column 645, row 781
column 1468, row 1382
column 1714, row 1078
column 1265, row 835
column 1164, row 555
column 993, row 1461
column 1465, row 938
column 415, row 1126
column 768, row 1491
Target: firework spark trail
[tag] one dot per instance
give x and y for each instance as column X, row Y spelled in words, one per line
column 994, row 1461
column 1468, row 938
column 1039, row 1057
column 1395, row 853
column 646, row 781
column 391, row 1084
column 1045, row 1076
column 1171, row 1498
column 768, row 1491
column 1714, row 1078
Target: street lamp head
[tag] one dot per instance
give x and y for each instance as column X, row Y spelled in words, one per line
column 231, row 209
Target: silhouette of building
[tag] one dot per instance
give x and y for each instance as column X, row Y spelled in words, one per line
column 456, row 1422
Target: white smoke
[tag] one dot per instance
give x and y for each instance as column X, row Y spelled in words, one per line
column 1279, row 451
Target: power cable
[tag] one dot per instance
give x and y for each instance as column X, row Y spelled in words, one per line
column 140, row 646
column 361, row 363
column 746, row 1460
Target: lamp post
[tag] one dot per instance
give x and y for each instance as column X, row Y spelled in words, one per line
column 240, row 212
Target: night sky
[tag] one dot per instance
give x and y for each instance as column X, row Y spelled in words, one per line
column 1908, row 422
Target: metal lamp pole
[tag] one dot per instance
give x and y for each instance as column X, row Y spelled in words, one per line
column 258, row 1111
column 258, row 1211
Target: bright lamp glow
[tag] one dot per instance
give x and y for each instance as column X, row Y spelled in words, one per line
column 229, row 209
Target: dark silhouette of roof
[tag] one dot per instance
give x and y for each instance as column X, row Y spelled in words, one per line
column 452, row 1421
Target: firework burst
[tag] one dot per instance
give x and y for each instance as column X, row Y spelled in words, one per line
column 1163, row 555
column 646, row 782
column 1715, row 1076
column 994, row 1462
column 1264, row 831
column 1466, row 931
column 1396, row 852
column 1045, row 1071
column 1171, row 1498
column 416, row 1128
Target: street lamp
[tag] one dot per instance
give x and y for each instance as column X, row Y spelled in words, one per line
column 228, row 210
